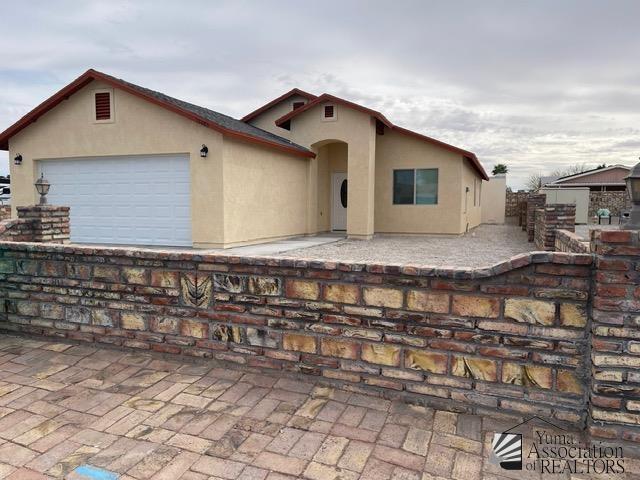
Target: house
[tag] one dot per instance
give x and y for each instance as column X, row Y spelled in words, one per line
column 139, row 167
column 601, row 179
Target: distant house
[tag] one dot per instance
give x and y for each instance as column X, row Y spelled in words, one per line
column 604, row 179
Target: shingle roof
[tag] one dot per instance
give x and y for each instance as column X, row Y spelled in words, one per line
column 223, row 123
column 221, row 119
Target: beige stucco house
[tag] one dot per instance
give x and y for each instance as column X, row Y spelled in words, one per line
column 139, row 167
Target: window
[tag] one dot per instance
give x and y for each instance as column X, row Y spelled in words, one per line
column 103, row 105
column 297, row 105
column 328, row 111
column 415, row 186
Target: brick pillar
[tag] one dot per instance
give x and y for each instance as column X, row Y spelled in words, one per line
column 49, row 223
column 548, row 220
column 614, row 405
column 534, row 201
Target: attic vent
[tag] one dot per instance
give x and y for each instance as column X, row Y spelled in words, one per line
column 328, row 111
column 297, row 105
column 103, row 106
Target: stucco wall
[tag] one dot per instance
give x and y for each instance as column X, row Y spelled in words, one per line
column 265, row 194
column 397, row 151
column 493, row 199
column 332, row 159
column 357, row 129
column 472, row 210
column 139, row 128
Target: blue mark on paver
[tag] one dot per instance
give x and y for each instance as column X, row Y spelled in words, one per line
column 94, row 473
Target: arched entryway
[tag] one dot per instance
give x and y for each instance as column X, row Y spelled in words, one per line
column 332, row 185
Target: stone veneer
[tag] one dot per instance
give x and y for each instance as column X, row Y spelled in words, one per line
column 615, row 202
column 5, row 212
column 548, row 220
column 512, row 337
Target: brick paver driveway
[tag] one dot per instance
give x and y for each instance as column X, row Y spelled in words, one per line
column 79, row 412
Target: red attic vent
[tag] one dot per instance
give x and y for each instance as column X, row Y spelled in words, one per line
column 103, row 106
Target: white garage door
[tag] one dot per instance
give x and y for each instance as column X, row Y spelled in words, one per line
column 135, row 200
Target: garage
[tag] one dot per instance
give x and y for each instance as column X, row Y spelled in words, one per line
column 128, row 200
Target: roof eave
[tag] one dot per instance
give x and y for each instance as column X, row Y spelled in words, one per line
column 294, row 91
column 91, row 75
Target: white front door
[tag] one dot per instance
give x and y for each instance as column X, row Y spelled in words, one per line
column 132, row 200
column 339, row 201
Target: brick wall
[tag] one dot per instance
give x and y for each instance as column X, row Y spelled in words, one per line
column 5, row 212
column 37, row 223
column 513, row 201
column 548, row 220
column 616, row 202
column 511, row 337
column 534, row 202
column 615, row 327
column 570, row 242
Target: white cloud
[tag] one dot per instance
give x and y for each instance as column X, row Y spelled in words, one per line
column 535, row 85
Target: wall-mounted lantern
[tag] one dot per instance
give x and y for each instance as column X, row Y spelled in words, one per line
column 42, row 186
column 17, row 160
column 633, row 189
column 204, row 151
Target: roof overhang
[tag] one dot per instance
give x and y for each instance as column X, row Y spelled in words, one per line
column 293, row 92
column 91, row 75
column 325, row 97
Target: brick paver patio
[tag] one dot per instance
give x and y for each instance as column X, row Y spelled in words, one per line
column 79, row 412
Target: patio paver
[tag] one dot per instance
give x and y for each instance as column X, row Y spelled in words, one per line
column 139, row 416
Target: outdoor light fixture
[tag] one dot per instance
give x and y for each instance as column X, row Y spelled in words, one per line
column 42, row 186
column 204, row 151
column 633, row 189
column 17, row 160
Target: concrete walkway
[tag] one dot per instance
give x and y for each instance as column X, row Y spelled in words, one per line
column 81, row 412
column 280, row 246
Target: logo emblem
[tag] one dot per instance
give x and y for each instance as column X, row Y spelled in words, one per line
column 507, row 448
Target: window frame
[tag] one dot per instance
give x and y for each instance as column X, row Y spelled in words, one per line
column 415, row 187
column 299, row 103
column 335, row 112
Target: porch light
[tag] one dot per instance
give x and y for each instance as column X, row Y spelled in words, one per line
column 42, row 186
column 204, row 151
column 633, row 189
column 17, row 160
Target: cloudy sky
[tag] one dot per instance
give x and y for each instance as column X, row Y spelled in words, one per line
column 537, row 85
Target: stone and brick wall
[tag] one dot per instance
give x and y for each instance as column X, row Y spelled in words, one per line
column 615, row 328
column 513, row 201
column 511, row 337
column 534, row 202
column 5, row 212
column 616, row 202
column 548, row 220
column 38, row 223
column 570, row 242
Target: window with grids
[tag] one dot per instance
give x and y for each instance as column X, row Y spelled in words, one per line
column 417, row 186
column 103, row 106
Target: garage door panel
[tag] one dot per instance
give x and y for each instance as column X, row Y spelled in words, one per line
column 143, row 200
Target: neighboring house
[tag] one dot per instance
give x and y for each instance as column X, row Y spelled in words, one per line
column 139, row 167
column 605, row 179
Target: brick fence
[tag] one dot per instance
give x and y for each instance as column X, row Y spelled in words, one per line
column 570, row 242
column 534, row 202
column 548, row 220
column 5, row 212
column 37, row 223
column 511, row 337
column 616, row 202
column 513, row 202
column 551, row 334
